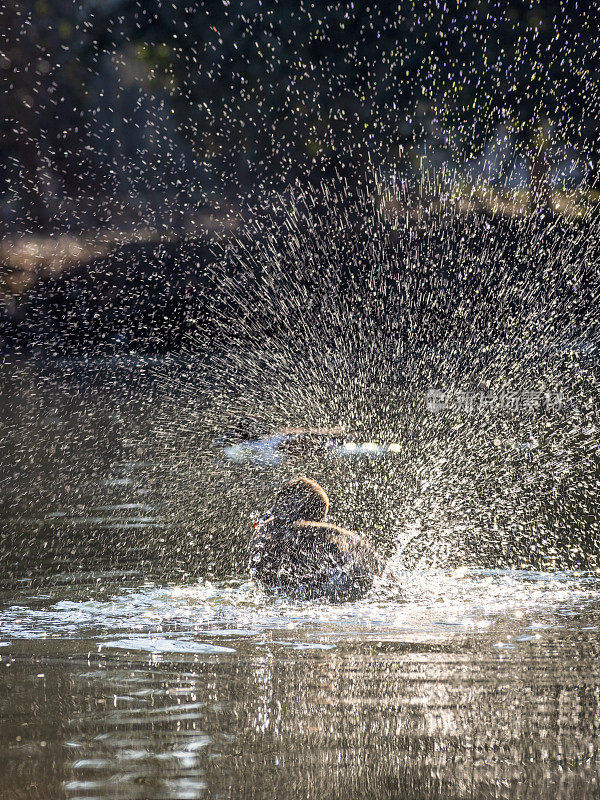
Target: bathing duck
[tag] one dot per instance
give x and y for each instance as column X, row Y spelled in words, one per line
column 294, row 549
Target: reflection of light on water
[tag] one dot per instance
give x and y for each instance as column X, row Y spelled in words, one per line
column 200, row 682
column 154, row 644
column 417, row 606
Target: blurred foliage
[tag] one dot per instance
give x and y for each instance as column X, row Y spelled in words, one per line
column 262, row 90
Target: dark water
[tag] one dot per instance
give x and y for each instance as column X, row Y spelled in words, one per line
column 130, row 669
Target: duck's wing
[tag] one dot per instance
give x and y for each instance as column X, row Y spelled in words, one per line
column 342, row 545
column 343, row 565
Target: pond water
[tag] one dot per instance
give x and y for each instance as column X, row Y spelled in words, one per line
column 129, row 669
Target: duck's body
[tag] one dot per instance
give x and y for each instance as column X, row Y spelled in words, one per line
column 310, row 557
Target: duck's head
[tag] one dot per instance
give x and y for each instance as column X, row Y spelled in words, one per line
column 298, row 499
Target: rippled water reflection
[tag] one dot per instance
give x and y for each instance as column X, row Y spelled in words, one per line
column 446, row 683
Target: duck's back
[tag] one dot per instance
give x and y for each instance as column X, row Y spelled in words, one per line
column 313, row 559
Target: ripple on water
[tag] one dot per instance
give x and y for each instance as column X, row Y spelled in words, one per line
column 210, row 617
column 153, row 644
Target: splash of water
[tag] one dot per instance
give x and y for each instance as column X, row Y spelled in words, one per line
column 336, row 308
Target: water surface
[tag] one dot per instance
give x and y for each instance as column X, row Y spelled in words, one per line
column 138, row 661
column 450, row 684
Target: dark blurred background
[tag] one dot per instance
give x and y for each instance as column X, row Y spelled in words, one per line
column 127, row 127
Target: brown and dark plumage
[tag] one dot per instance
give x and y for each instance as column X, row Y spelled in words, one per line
column 295, row 550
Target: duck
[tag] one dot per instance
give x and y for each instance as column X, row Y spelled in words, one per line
column 247, row 440
column 294, row 549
